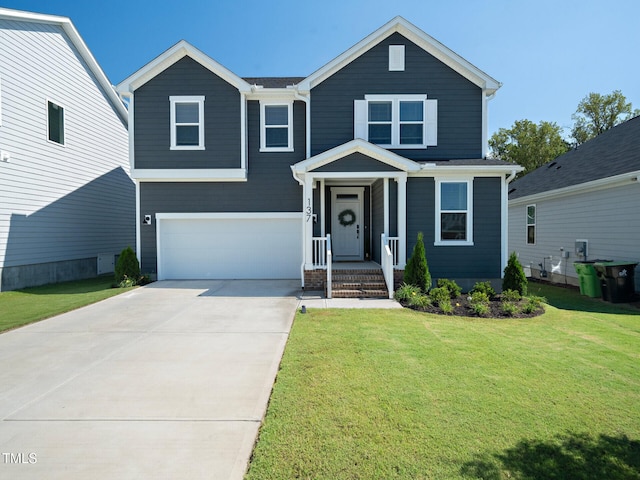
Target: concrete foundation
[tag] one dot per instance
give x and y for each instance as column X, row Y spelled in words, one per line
column 13, row 278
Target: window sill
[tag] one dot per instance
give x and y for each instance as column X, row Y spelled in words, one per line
column 195, row 147
column 453, row 243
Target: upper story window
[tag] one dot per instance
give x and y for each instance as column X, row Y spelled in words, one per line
column 187, row 122
column 276, row 127
column 454, row 212
column 397, row 121
column 55, row 123
column 531, row 224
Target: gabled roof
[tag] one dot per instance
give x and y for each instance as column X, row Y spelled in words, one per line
column 356, row 146
column 610, row 154
column 417, row 36
column 68, row 27
column 171, row 56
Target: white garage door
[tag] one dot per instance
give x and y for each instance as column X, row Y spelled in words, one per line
column 226, row 247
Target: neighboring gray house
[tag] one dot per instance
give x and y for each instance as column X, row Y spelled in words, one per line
column 588, row 194
column 255, row 178
column 67, row 202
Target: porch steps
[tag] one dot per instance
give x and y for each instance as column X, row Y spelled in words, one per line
column 358, row 284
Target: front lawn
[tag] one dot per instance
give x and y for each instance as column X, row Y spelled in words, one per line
column 20, row 307
column 379, row 394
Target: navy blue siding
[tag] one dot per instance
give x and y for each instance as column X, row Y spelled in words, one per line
column 356, row 162
column 270, row 186
column 480, row 261
column 377, row 217
column 221, row 119
column 459, row 100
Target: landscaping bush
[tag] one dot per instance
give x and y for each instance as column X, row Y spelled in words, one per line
column 440, row 294
column 420, row 301
column 454, row 289
column 416, row 272
column 514, row 277
column 405, row 292
column 484, row 287
column 127, row 271
column 532, row 304
column 511, row 296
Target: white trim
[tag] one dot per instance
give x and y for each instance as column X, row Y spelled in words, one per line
column 469, row 212
column 64, row 122
column 356, row 146
column 396, row 58
column 171, row 56
column 359, row 191
column 587, row 187
column 527, row 224
column 417, row 36
column 191, row 99
column 190, row 175
column 132, row 150
column 243, row 131
column 323, row 228
column 395, row 121
column 402, row 221
column 227, row 215
column 0, row 100
column 263, row 126
column 462, row 171
column 138, row 224
column 385, row 202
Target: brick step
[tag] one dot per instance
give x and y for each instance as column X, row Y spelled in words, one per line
column 357, row 278
column 363, row 285
column 359, row 293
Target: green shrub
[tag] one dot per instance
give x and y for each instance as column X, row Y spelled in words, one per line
column 514, row 277
column 420, row 300
column 445, row 306
column 405, row 292
column 480, row 309
column 511, row 296
column 533, row 304
column 509, row 308
column 127, row 268
column 416, row 272
column 484, row 287
column 440, row 294
column 453, row 288
column 479, row 298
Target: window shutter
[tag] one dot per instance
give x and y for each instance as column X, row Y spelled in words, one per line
column 431, row 123
column 360, row 128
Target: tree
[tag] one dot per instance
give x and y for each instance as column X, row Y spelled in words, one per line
column 416, row 271
column 514, row 277
column 598, row 113
column 528, row 144
column 127, row 267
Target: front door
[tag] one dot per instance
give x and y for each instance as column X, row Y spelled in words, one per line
column 347, row 223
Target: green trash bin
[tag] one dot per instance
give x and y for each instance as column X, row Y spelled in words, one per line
column 588, row 279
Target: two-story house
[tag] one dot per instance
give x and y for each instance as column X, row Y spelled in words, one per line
column 291, row 177
column 67, row 202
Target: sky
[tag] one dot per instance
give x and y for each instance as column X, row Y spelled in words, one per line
column 548, row 54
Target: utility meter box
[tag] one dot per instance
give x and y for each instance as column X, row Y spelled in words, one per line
column 582, row 249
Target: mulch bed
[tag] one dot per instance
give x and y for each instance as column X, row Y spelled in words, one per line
column 462, row 308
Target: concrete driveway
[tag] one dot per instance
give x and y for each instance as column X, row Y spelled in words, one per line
column 169, row 381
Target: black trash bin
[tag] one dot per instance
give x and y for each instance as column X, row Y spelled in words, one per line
column 616, row 280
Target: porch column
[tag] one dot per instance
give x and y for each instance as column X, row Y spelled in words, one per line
column 307, row 209
column 385, row 200
column 402, row 220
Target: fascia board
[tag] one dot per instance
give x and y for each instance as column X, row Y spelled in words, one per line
column 171, row 56
column 417, row 36
column 357, row 146
column 431, row 169
column 581, row 188
column 80, row 45
column 190, row 175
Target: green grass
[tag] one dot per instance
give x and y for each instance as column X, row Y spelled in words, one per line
column 21, row 307
column 372, row 394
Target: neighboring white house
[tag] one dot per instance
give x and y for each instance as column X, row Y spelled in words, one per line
column 67, row 202
column 590, row 194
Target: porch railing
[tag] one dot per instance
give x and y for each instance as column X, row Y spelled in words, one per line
column 322, row 257
column 388, row 259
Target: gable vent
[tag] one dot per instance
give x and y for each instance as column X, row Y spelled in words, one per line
column 396, row 58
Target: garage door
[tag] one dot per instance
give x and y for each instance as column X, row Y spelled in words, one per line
column 227, row 247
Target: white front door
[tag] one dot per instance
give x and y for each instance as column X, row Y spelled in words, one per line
column 347, row 223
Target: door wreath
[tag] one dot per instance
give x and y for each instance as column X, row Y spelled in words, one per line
column 347, row 217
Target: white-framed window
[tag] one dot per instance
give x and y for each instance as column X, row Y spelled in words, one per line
column 55, row 123
column 276, row 126
column 531, row 224
column 187, row 122
column 397, row 121
column 454, row 212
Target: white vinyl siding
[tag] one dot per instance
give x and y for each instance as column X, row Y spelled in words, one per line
column 187, row 122
column 397, row 121
column 607, row 218
column 276, row 126
column 57, row 203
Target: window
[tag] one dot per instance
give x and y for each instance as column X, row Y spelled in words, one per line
column 531, row 224
column 276, row 129
column 400, row 121
column 454, row 213
column 187, row 123
column 55, row 123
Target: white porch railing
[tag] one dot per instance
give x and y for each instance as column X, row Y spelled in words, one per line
column 322, row 257
column 388, row 259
